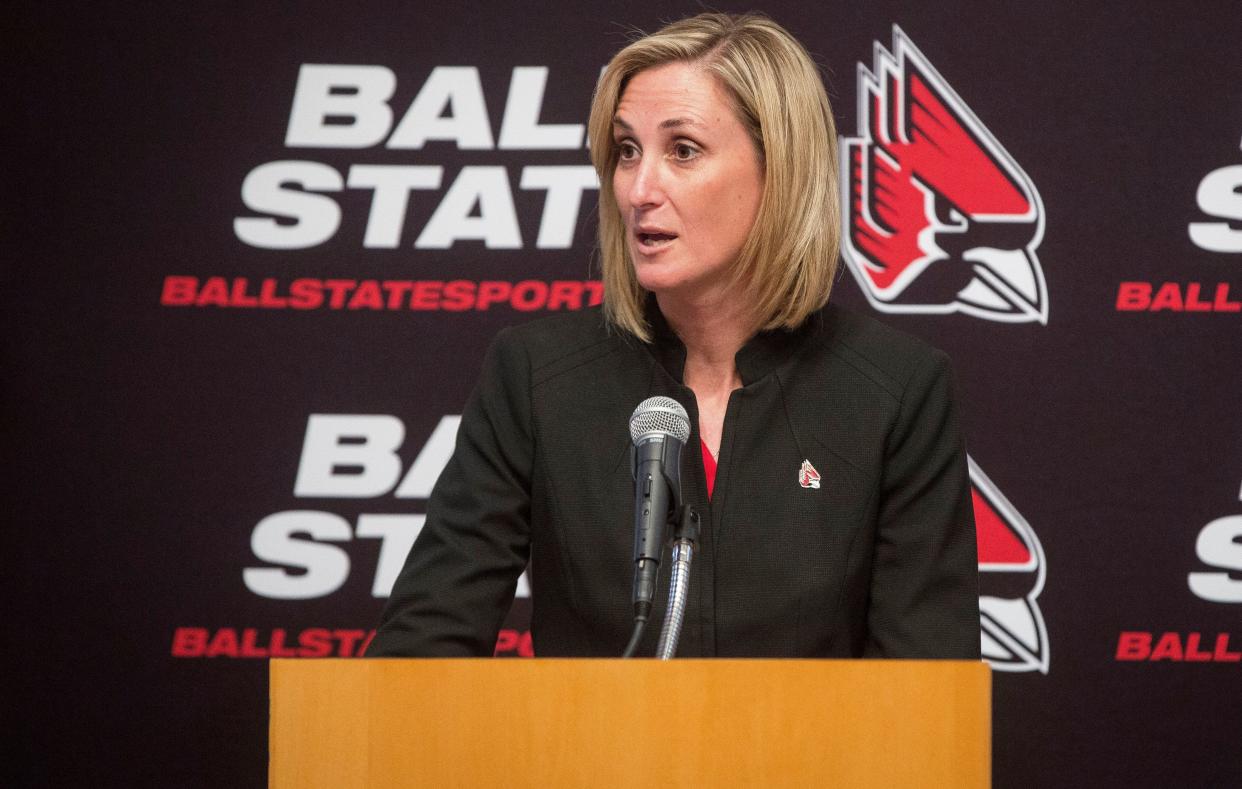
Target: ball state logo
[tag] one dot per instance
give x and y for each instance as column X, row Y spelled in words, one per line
column 939, row 218
column 1011, row 576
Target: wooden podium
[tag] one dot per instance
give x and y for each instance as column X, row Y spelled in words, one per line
column 605, row 723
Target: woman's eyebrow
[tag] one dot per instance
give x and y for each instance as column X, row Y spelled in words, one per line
column 671, row 123
column 676, row 123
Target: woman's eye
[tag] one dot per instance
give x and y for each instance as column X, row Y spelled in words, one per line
column 627, row 150
column 684, row 151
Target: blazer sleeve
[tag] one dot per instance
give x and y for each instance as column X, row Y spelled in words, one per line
column 924, row 597
column 457, row 585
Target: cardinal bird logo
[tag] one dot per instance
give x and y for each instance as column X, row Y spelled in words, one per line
column 808, row 477
column 939, row 218
column 1011, row 576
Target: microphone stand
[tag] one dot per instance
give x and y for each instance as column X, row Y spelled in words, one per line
column 685, row 536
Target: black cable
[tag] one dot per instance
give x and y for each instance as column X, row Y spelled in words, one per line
column 632, row 647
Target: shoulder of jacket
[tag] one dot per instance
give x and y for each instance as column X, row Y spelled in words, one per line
column 563, row 340
column 888, row 357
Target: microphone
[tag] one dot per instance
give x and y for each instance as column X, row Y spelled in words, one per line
column 659, row 429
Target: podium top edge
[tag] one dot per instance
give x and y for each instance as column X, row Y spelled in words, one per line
column 784, row 663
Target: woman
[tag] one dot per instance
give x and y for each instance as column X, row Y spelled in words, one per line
column 832, row 477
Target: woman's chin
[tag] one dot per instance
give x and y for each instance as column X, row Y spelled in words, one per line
column 659, row 278
column 657, row 284
column 675, row 285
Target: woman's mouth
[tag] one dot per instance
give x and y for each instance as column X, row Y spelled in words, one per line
column 654, row 241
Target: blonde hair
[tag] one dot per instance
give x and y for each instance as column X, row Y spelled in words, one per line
column 788, row 263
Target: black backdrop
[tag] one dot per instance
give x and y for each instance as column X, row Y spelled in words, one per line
column 146, row 438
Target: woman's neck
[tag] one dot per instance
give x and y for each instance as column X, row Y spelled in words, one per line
column 713, row 331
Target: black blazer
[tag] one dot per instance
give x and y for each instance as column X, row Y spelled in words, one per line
column 879, row 561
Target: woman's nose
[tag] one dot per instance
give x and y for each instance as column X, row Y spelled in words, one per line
column 647, row 188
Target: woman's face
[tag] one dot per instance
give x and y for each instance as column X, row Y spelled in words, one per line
column 688, row 181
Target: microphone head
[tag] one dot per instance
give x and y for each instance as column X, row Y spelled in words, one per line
column 659, row 417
